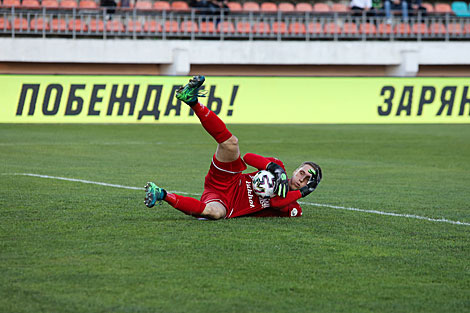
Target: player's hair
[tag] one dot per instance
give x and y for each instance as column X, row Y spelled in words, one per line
column 312, row 164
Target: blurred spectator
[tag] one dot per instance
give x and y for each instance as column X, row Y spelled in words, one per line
column 415, row 7
column 396, row 5
column 125, row 3
column 377, row 8
column 360, row 6
column 223, row 4
column 110, row 6
column 209, row 6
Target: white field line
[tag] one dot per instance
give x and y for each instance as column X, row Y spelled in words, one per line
column 90, row 182
column 388, row 213
column 441, row 220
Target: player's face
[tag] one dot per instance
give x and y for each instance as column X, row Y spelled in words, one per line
column 300, row 177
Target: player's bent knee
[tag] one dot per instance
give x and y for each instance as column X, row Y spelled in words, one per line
column 229, row 146
column 231, row 143
column 214, row 210
column 228, row 150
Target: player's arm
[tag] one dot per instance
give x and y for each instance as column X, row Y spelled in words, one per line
column 292, row 196
column 256, row 160
column 261, row 163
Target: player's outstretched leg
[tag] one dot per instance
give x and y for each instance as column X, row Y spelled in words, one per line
column 210, row 121
column 187, row 205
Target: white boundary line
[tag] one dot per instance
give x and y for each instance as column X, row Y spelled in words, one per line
column 442, row 220
column 90, row 182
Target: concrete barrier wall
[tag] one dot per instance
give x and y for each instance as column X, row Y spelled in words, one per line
column 177, row 57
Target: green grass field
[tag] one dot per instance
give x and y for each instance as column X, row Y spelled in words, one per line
column 73, row 247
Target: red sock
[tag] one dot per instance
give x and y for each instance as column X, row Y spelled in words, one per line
column 212, row 123
column 187, row 205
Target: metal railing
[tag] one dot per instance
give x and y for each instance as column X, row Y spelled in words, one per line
column 193, row 25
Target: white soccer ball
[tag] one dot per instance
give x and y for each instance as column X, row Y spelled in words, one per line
column 263, row 184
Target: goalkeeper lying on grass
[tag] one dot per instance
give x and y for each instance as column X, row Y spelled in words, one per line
column 229, row 193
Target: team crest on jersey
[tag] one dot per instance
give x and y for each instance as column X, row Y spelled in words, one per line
column 265, row 202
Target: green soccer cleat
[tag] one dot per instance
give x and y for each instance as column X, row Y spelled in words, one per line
column 189, row 93
column 153, row 193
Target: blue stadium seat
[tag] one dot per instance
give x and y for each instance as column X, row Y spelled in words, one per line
column 460, row 8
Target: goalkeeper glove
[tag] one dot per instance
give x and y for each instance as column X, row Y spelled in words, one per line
column 281, row 184
column 312, row 182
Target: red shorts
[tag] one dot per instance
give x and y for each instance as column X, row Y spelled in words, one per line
column 222, row 181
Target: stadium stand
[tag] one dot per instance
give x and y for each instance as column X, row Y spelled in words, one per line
column 321, row 7
column 402, row 29
column 367, row 28
column 332, row 28
column 268, row 7
column 350, row 28
column 11, row 3
column 39, row 24
column 4, row 24
column 428, row 6
column 339, row 7
column 442, row 8
column 250, row 6
column 68, row 4
column 115, row 26
column 437, row 29
column 96, row 25
column 466, row 29
column 385, row 29
column 87, row 4
column 247, row 20
column 161, row 5
column 145, row 5
column 134, row 26
column 208, row 27
column 286, row 7
column 455, row 29
column 20, row 23
column 189, row 26
column 50, row 4
column 279, row 28
column 225, row 27
column 268, row 23
column 243, row 28
column 314, row 28
column 179, row 6
column 77, row 25
column 171, row 26
column 59, row 25
column 30, row 4
column 303, row 7
column 152, row 27
column 235, row 6
column 297, row 28
column 420, row 28
column 261, row 28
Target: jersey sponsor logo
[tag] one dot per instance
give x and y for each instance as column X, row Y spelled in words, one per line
column 250, row 194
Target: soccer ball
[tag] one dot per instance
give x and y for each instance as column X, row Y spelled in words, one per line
column 263, row 184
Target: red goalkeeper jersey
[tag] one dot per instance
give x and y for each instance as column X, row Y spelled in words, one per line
column 244, row 202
